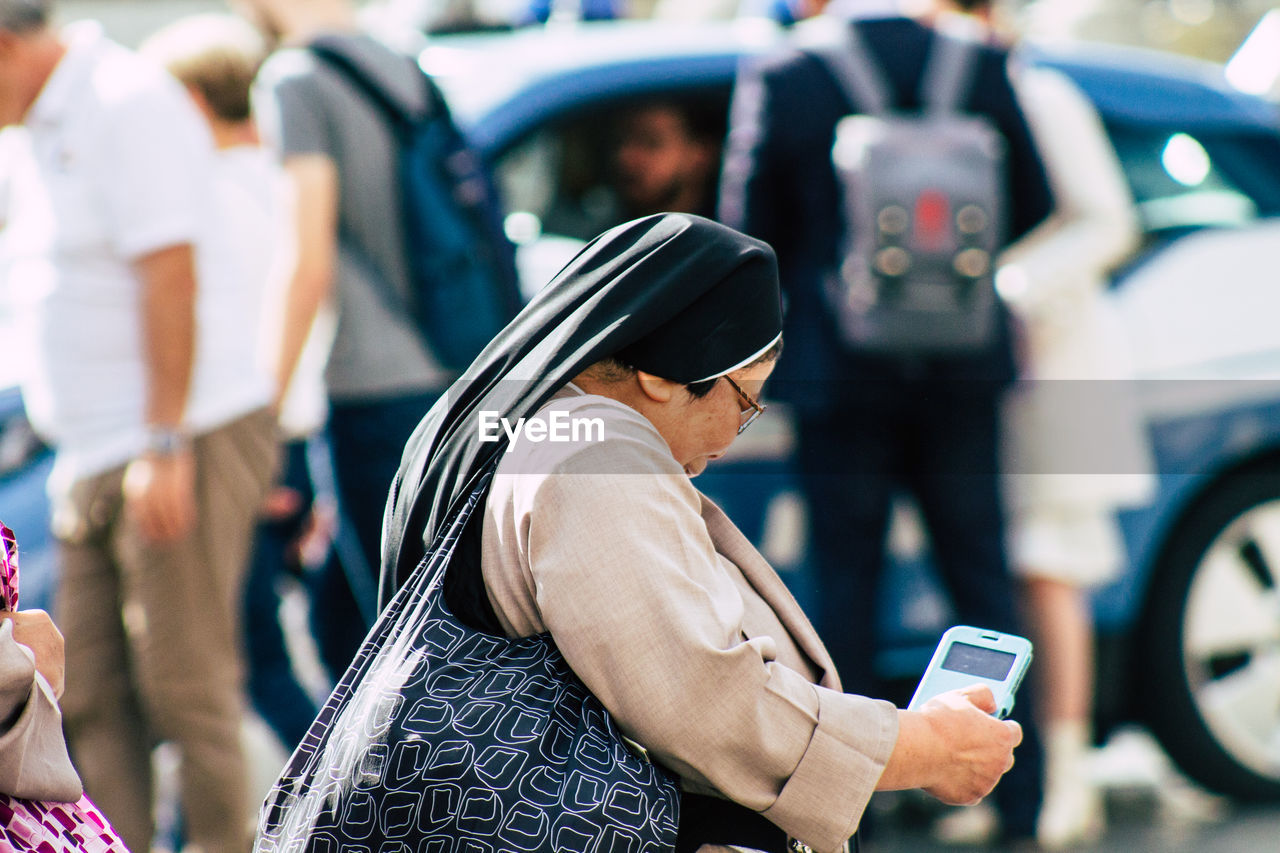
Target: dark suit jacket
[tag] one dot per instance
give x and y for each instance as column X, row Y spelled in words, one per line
column 779, row 185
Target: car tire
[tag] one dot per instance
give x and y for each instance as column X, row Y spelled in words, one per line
column 1209, row 661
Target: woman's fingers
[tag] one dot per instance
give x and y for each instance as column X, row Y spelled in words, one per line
column 980, row 695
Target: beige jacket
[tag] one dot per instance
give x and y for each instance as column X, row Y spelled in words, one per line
column 678, row 625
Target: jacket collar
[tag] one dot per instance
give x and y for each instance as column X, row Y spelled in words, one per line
column 85, row 42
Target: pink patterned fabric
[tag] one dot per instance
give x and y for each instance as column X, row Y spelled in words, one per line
column 33, row 825
column 8, row 569
column 45, row 827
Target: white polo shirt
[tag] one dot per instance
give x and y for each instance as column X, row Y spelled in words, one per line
column 252, row 194
column 116, row 163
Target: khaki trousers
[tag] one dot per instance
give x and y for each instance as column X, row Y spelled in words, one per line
column 153, row 641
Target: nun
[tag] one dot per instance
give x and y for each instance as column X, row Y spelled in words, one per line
column 634, row 369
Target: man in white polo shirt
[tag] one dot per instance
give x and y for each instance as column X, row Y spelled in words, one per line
column 144, row 379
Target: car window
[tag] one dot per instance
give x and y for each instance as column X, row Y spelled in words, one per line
column 559, row 174
column 560, row 179
column 1184, row 180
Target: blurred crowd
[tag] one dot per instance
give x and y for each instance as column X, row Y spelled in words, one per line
column 202, row 239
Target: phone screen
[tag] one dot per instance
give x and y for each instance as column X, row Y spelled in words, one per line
column 975, row 660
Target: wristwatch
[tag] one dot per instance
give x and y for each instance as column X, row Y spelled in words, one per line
column 166, row 441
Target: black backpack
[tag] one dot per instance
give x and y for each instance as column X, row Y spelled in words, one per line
column 464, row 285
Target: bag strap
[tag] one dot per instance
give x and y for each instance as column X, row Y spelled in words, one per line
column 401, row 117
column 948, row 74
column 838, row 45
column 300, row 769
column 398, row 113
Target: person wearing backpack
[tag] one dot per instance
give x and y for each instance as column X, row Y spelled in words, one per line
column 887, row 401
column 343, row 109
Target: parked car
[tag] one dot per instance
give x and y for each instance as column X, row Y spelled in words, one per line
column 24, row 466
column 1190, row 634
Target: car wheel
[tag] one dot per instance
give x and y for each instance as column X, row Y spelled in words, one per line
column 1211, row 639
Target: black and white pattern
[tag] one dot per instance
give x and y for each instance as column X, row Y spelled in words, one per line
column 443, row 739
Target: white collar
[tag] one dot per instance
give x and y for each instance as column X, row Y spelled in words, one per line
column 748, row 360
column 84, row 41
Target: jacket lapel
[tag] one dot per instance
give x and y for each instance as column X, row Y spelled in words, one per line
column 735, row 547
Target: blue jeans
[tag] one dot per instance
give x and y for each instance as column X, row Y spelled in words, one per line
column 273, row 686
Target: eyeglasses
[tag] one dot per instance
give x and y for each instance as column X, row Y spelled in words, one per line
column 753, row 410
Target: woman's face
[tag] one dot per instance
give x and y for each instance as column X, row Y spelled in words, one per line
column 700, row 429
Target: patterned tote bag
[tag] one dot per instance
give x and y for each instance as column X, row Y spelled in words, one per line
column 442, row 738
column 46, row 826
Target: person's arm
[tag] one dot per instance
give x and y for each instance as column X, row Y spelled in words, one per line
column 623, row 573
column 1094, row 225
column 159, row 486
column 749, row 183
column 33, row 755
column 35, row 630
column 313, row 183
column 778, row 183
column 290, row 105
column 154, row 176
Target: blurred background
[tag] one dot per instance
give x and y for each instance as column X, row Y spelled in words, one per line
column 1207, row 183
column 1209, row 29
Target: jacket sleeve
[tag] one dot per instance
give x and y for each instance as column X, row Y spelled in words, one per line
column 627, row 580
column 33, row 755
column 777, row 171
column 741, row 180
column 1094, row 225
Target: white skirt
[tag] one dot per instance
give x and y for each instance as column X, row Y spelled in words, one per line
column 1074, row 433
column 1075, row 545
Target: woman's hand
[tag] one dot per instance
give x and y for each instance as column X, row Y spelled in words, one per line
column 35, row 630
column 952, row 747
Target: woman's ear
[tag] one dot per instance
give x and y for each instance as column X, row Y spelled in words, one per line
column 656, row 388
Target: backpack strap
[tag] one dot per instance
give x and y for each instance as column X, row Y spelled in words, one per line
column 838, row 45
column 400, row 115
column 948, row 73
column 401, row 118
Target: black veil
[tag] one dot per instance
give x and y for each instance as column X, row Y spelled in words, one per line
column 675, row 295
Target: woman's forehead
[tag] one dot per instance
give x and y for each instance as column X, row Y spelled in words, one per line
column 755, row 372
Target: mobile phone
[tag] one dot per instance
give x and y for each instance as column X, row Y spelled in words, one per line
column 966, row 656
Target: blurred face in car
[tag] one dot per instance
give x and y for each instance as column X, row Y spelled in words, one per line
column 660, row 164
